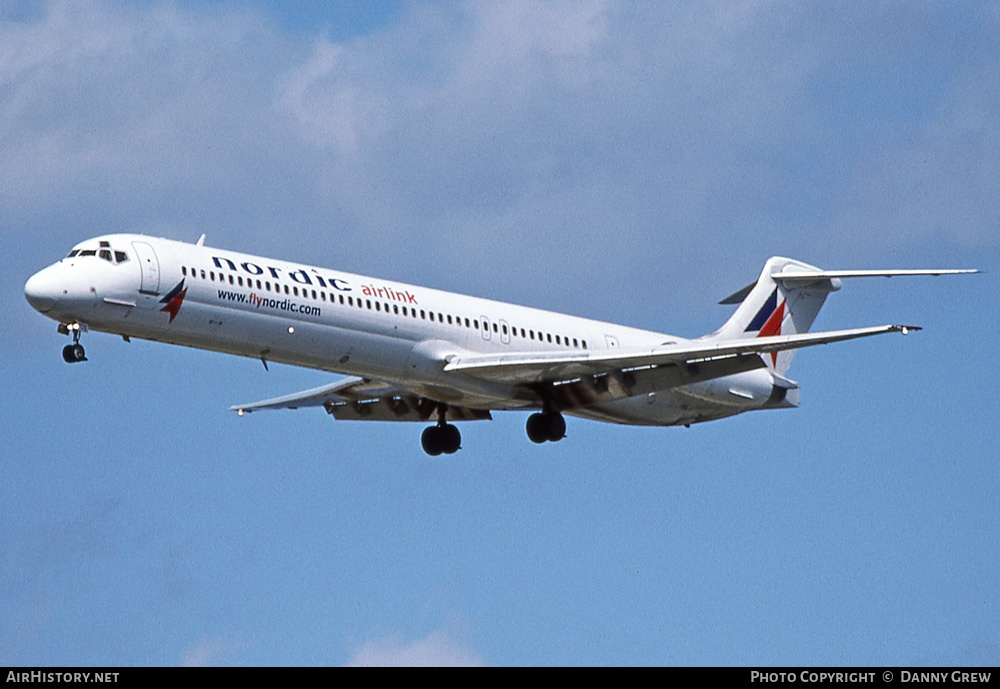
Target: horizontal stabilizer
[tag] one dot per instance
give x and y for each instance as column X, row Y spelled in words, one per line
column 809, row 275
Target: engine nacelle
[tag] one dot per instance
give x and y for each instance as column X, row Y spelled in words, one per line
column 749, row 390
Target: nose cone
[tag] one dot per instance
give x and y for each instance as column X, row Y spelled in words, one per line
column 41, row 290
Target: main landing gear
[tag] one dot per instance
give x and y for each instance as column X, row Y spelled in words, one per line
column 442, row 438
column 73, row 353
column 550, row 426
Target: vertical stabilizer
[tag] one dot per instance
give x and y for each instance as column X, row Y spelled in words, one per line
column 776, row 307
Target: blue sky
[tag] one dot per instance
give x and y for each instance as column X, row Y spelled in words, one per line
column 632, row 163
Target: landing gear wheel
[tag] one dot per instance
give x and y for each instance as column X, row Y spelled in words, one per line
column 537, row 428
column 431, row 441
column 550, row 426
column 555, row 427
column 451, row 439
column 73, row 353
column 441, row 439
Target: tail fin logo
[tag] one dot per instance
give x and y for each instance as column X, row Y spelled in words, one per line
column 768, row 321
column 173, row 300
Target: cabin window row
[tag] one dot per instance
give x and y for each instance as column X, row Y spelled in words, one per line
column 396, row 309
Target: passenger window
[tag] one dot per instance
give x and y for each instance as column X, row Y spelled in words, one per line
column 203, row 275
column 184, row 271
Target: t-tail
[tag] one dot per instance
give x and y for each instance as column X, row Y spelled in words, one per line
column 785, row 300
column 770, row 307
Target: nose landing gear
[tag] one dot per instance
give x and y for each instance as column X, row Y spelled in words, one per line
column 73, row 353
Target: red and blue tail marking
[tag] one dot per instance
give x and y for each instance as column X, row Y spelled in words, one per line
column 768, row 321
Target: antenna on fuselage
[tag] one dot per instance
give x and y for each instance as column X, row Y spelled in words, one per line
column 201, row 241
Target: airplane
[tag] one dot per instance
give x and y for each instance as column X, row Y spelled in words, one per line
column 423, row 355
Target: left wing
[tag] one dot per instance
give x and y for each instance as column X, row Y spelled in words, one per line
column 543, row 367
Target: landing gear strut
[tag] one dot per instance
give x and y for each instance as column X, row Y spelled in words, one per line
column 544, row 426
column 442, row 438
column 74, row 353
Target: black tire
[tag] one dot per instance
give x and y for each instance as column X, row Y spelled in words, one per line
column 451, row 439
column 431, row 441
column 537, row 428
column 555, row 427
column 73, row 353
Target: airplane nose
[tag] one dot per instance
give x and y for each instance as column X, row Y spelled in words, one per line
column 40, row 290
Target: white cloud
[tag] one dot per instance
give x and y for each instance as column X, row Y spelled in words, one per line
column 435, row 650
column 207, row 652
column 565, row 145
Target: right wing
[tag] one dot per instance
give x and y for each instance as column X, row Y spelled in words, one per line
column 361, row 399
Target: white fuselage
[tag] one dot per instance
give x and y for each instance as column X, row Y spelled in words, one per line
column 224, row 301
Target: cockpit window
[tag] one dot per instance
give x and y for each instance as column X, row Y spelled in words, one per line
column 105, row 252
